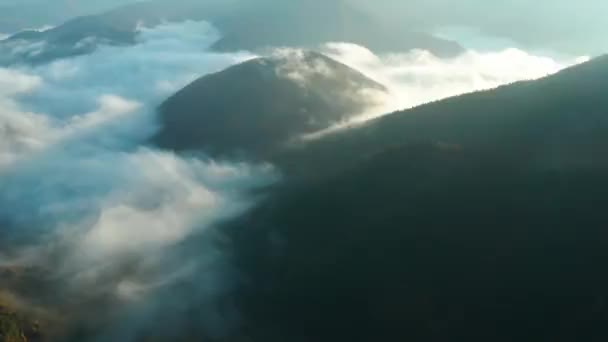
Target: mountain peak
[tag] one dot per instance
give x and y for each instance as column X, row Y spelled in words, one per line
column 268, row 101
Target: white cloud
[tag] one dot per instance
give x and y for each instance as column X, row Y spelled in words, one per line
column 418, row 77
column 46, row 104
column 106, row 208
column 13, row 82
column 82, row 198
column 169, row 198
column 19, row 131
column 111, row 107
column 23, row 132
column 295, row 67
column 76, row 120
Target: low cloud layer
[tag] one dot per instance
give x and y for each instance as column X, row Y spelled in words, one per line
column 418, row 77
column 91, row 215
column 42, row 104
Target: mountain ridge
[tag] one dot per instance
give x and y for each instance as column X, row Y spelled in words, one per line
column 243, row 26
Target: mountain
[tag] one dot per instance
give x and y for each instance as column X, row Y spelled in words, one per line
column 262, row 104
column 470, row 219
column 314, row 22
column 244, row 25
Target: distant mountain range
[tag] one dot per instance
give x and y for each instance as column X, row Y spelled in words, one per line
column 244, row 26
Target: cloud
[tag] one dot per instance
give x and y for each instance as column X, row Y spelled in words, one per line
column 19, row 131
column 418, row 77
column 25, row 132
column 110, row 227
column 89, row 213
column 297, row 68
column 64, row 97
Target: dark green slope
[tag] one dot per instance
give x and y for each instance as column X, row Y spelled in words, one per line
column 259, row 106
column 478, row 218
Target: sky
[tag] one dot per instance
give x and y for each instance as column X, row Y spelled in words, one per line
column 563, row 26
